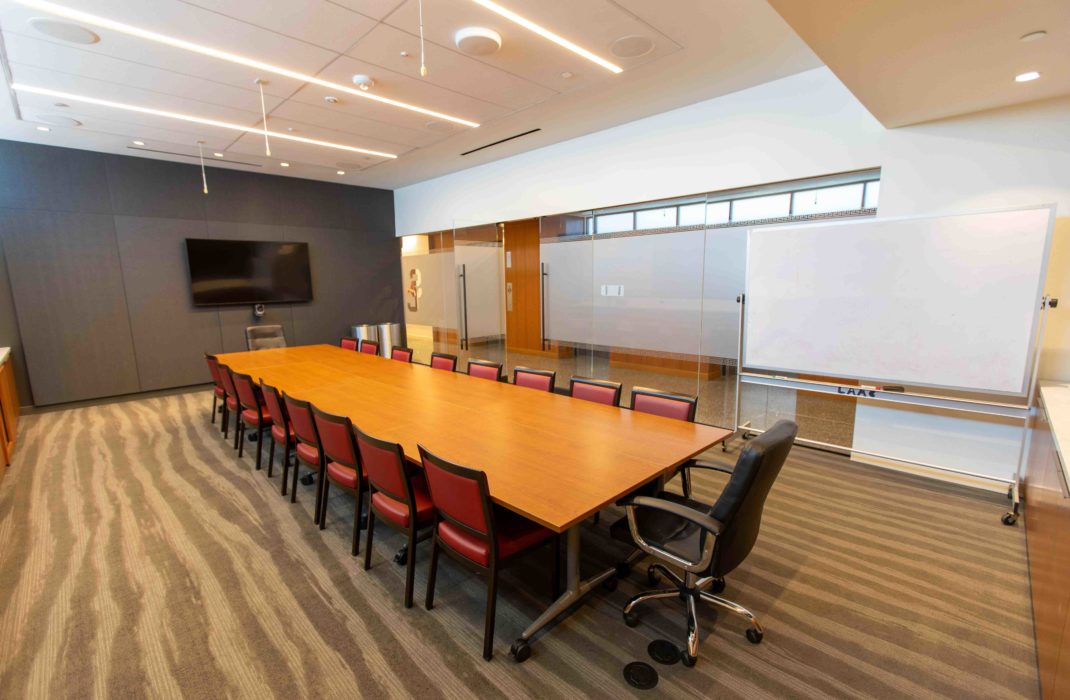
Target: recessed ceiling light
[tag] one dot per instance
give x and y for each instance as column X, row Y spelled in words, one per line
column 97, row 21
column 1026, row 77
column 567, row 75
column 547, row 34
column 218, row 155
column 139, row 143
column 43, row 128
column 190, row 118
column 1034, row 36
column 331, row 100
column 64, row 31
column 341, row 172
column 284, row 164
column 477, row 41
column 404, row 54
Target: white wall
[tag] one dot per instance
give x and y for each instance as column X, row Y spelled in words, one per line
column 801, row 126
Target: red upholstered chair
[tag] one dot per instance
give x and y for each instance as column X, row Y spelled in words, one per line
column 230, row 405
column 596, row 390
column 441, row 360
column 282, row 433
column 664, row 403
column 399, row 498
column 254, row 414
column 401, row 354
column 218, row 392
column 485, row 369
column 369, row 347
column 541, row 379
column 475, row 532
column 341, row 466
column 348, row 343
column 307, row 441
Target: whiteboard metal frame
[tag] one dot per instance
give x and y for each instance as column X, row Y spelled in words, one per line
column 1026, row 381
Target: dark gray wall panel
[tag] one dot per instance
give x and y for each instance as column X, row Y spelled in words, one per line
column 370, row 211
column 156, row 188
column 379, row 282
column 68, row 290
column 59, row 179
column 170, row 334
column 336, row 261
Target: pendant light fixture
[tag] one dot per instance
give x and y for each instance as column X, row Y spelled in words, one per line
column 260, row 82
column 423, row 62
column 204, row 175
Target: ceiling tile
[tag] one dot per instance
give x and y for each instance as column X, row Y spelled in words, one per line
column 377, row 9
column 340, row 119
column 318, row 22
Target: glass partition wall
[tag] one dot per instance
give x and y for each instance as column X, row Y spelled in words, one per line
column 643, row 294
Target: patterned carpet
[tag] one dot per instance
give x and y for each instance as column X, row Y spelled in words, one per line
column 140, row 558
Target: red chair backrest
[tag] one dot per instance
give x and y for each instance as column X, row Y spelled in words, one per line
column 274, row 404
column 384, row 465
column 663, row 404
column 369, row 347
column 458, row 493
column 248, row 396
column 348, row 343
column 336, row 438
column 213, row 369
column 304, row 424
column 608, row 394
column 228, row 381
column 401, row 354
column 533, row 380
column 484, row 371
column 446, row 362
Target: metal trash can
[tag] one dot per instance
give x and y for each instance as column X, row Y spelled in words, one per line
column 388, row 335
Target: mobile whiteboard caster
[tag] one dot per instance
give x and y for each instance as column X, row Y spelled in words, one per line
column 520, row 651
column 754, row 636
column 1009, row 518
column 631, row 618
column 687, row 660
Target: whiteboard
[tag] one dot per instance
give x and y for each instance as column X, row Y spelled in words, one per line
column 949, row 301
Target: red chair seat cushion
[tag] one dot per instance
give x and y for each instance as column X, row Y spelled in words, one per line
column 250, row 417
column 232, row 403
column 398, row 512
column 342, row 475
column 515, row 534
column 308, row 454
column 219, row 391
column 280, row 436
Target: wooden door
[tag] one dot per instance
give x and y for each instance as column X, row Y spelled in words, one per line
column 523, row 305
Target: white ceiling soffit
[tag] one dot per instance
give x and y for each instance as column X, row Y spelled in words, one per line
column 911, row 62
column 697, row 49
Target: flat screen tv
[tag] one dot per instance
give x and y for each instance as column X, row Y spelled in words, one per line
column 247, row 272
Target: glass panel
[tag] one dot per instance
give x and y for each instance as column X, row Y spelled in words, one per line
column 693, row 215
column 718, row 213
column 655, row 218
column 768, row 207
column 480, row 263
column 566, row 266
column 613, row 223
column 873, row 194
column 430, row 290
column 725, row 256
column 828, row 199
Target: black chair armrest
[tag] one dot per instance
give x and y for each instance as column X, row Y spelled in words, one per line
column 699, row 464
column 706, row 522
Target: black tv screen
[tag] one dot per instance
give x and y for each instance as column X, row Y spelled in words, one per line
column 247, row 272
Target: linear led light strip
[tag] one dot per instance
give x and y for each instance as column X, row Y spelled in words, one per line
column 18, row 87
column 547, row 34
column 104, row 23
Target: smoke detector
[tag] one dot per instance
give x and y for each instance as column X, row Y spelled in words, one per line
column 364, row 82
column 331, row 100
column 477, row 41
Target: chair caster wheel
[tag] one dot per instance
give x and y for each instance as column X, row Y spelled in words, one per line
column 308, row 479
column 631, row 619
column 652, row 576
column 520, row 651
column 688, row 660
column 610, row 584
column 623, row 569
column 1009, row 518
column 401, row 556
column 253, row 437
column 718, row 586
column 754, row 636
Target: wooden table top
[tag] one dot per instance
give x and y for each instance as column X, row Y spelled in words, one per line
column 551, row 458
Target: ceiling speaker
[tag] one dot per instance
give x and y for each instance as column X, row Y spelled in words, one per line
column 64, row 31
column 632, row 46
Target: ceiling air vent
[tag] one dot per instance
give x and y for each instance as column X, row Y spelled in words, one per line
column 507, row 138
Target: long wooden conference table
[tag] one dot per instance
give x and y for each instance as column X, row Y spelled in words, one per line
column 550, row 458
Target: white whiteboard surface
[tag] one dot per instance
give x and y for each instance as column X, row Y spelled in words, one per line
column 948, row 301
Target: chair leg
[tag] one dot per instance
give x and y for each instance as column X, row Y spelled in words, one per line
column 358, row 516
column 293, row 487
column 320, row 497
column 368, row 540
column 692, row 626
column 215, row 401
column 732, row 607
column 321, row 503
column 410, row 563
column 239, row 437
column 492, row 601
column 685, row 481
column 651, row 595
column 429, row 601
column 225, row 420
column 286, row 465
column 259, row 445
column 271, row 458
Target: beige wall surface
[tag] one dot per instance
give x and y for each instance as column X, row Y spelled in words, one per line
column 1055, row 353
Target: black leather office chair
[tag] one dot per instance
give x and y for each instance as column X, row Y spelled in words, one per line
column 708, row 542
